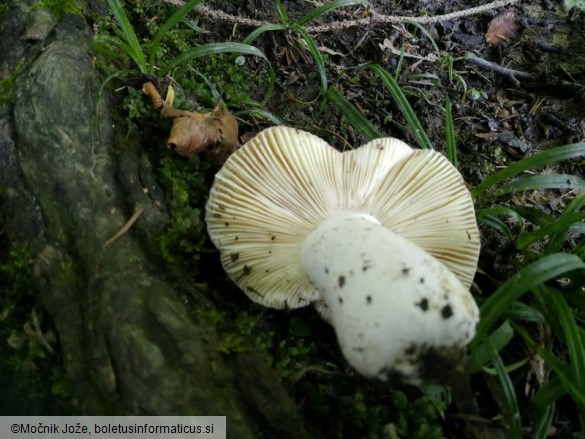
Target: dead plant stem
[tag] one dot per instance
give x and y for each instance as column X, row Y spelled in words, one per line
column 374, row 18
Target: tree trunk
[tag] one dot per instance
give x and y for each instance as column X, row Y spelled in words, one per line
column 129, row 343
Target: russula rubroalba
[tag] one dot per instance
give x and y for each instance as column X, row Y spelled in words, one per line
column 381, row 239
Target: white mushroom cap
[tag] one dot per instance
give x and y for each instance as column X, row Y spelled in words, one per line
column 278, row 187
column 400, row 313
column 382, row 239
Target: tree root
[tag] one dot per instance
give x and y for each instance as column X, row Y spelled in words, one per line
column 513, row 75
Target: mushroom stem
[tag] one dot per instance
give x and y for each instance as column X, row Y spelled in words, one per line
column 396, row 309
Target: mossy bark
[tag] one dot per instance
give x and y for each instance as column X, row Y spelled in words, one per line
column 129, row 341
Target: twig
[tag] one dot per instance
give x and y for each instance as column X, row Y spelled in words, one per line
column 374, row 19
column 126, row 226
column 512, row 75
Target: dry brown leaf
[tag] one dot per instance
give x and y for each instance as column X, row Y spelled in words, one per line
column 214, row 134
column 502, row 28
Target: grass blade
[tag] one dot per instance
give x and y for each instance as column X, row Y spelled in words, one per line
column 427, row 34
column 316, row 54
column 533, row 162
column 167, row 25
column 353, row 115
column 524, row 312
column 559, row 228
column 530, row 276
column 542, row 425
column 450, row 133
column 136, row 52
column 103, row 44
column 538, row 182
column 548, row 394
column 534, row 215
column 282, row 12
column 561, row 372
column 509, row 393
column 260, row 113
column 212, row 49
column 502, row 211
column 328, row 7
column 557, row 238
column 482, row 355
column 496, row 224
column 218, row 48
column 259, row 31
column 404, row 106
column 575, row 347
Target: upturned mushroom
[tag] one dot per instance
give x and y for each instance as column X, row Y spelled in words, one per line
column 381, row 239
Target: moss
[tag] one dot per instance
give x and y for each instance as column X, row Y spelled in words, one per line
column 184, row 184
column 3, row 10
column 27, row 358
column 7, row 84
column 60, row 8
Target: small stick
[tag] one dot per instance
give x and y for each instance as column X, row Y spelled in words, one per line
column 126, row 227
column 511, row 74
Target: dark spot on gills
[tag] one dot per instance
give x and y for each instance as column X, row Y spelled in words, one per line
column 423, row 304
column 247, row 269
column 272, row 238
column 227, row 224
column 422, row 280
column 368, row 299
column 234, row 257
column 340, row 300
column 405, row 271
column 446, row 312
column 341, row 281
column 237, row 237
column 326, row 270
column 468, row 235
column 360, row 350
column 254, row 291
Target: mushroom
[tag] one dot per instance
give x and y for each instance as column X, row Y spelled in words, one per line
column 382, row 239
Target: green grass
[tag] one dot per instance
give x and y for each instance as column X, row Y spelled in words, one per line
column 146, row 57
column 547, row 276
column 297, row 27
column 59, row 8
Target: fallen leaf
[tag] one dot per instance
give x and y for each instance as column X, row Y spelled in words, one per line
column 213, row 134
column 502, row 28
